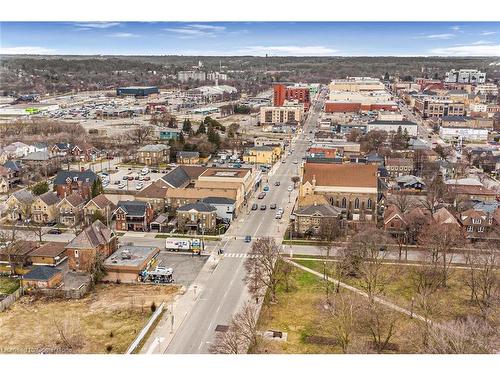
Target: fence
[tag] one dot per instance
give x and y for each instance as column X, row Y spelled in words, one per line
column 76, row 293
column 145, row 329
column 10, row 299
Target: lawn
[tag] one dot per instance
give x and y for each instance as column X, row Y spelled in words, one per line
column 451, row 302
column 301, row 313
column 8, row 285
column 107, row 319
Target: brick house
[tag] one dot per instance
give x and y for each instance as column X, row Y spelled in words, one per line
column 19, row 205
column 99, row 204
column 154, row 154
column 95, row 240
column 71, row 210
column 69, row 182
column 197, row 216
column 479, row 224
column 187, row 157
column 44, row 208
column 133, row 215
column 308, row 219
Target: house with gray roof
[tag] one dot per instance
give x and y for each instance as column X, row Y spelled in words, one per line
column 197, row 217
column 154, row 154
column 309, row 219
column 68, row 182
column 133, row 215
column 95, row 240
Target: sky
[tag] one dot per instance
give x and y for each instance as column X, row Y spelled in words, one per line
column 252, row 38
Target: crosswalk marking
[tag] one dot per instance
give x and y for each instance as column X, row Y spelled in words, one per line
column 239, row 255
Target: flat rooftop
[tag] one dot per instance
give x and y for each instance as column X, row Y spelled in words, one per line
column 226, row 172
column 131, row 256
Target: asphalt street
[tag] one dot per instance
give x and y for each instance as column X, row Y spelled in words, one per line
column 225, row 291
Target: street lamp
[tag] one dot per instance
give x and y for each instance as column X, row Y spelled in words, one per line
column 411, row 311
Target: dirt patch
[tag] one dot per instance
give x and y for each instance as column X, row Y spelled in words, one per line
column 107, row 320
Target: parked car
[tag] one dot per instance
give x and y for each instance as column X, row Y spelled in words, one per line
column 254, row 206
column 266, row 188
column 147, row 178
column 277, row 183
column 261, row 195
column 130, row 178
column 51, row 223
column 290, row 188
column 117, row 182
column 125, row 178
column 272, row 206
column 278, row 215
column 248, row 238
column 54, row 231
column 263, row 207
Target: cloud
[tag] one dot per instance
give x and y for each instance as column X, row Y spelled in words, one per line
column 96, row 25
column 468, row 50
column 123, row 35
column 289, row 50
column 485, row 33
column 479, row 42
column 439, row 36
column 196, row 30
column 207, row 27
column 26, row 50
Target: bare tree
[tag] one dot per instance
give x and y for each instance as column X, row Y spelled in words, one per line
column 436, row 191
column 439, row 241
column 295, row 180
column 69, row 332
column 343, row 317
column 264, row 267
column 241, row 336
column 401, row 200
column 482, row 279
column 140, row 135
column 464, row 336
column 381, row 325
column 367, row 252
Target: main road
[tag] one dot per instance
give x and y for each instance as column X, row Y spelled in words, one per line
column 225, row 291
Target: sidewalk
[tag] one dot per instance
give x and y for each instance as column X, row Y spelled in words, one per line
column 176, row 312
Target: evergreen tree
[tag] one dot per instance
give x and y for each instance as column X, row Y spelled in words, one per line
column 181, row 138
column 186, row 126
column 201, row 129
column 97, row 188
column 213, row 136
column 40, row 188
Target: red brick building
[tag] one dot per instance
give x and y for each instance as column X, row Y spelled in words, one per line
column 69, row 182
column 331, row 107
column 282, row 93
column 83, row 250
column 133, row 215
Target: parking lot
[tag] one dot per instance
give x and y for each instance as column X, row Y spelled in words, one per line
column 117, row 179
column 186, row 267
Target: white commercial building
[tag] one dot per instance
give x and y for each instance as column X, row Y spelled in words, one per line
column 457, row 133
column 392, row 126
column 465, row 76
column 191, row 75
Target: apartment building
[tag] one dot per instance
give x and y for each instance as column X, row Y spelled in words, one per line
column 465, row 76
column 429, row 107
column 191, row 75
column 154, row 154
column 290, row 113
column 284, row 93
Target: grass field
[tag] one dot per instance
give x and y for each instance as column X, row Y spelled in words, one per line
column 8, row 285
column 302, row 313
column 106, row 320
column 451, row 302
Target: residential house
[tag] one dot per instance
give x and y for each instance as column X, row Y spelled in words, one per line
column 444, row 217
column 19, row 205
column 461, row 193
column 155, row 194
column 44, row 208
column 133, row 215
column 187, row 157
column 309, row 219
column 42, row 277
column 17, row 150
column 481, row 223
column 95, row 240
column 18, row 253
column 16, row 167
column 42, row 162
column 69, row 182
column 352, row 187
column 71, row 210
column 61, row 149
column 6, row 176
column 225, row 207
column 84, row 152
column 99, row 205
column 154, row 154
column 198, row 217
column 410, row 182
column 407, row 225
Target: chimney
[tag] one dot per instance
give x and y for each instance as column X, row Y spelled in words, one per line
column 314, row 180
